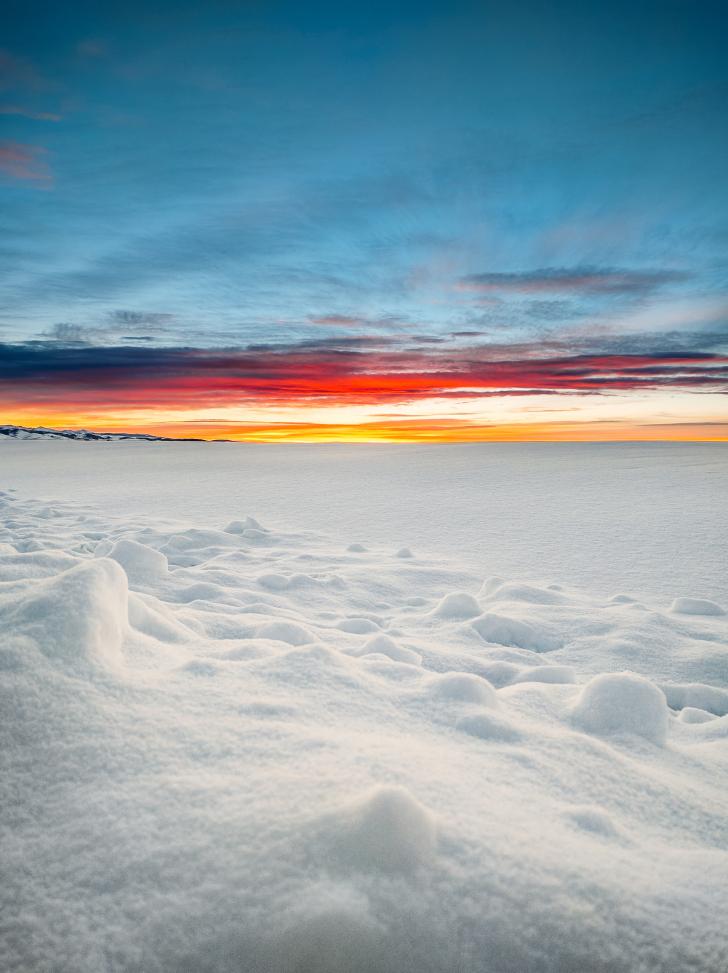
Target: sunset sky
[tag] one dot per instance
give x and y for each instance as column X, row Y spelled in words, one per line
column 385, row 221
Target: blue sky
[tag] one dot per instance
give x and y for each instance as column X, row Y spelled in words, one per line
column 236, row 175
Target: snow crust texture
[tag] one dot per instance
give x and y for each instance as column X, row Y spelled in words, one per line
column 238, row 749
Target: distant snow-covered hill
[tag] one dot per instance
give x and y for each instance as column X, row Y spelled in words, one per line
column 85, row 435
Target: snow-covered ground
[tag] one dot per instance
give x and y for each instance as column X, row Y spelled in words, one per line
column 646, row 518
column 235, row 747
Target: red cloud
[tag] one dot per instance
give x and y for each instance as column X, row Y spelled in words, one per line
column 186, row 378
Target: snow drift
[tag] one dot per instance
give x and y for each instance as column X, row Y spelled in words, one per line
column 244, row 750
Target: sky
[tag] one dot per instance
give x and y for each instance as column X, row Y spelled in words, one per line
column 425, row 222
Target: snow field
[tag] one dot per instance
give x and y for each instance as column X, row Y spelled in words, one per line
column 238, row 749
column 636, row 518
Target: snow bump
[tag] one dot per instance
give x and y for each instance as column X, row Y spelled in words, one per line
column 77, row 618
column 503, row 630
column 457, row 604
column 384, row 645
column 695, row 606
column 465, row 687
column 143, row 565
column 388, row 830
column 622, row 702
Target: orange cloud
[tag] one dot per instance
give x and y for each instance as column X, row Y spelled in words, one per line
column 88, row 385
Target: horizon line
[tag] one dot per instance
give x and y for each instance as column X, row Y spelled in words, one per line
column 387, row 435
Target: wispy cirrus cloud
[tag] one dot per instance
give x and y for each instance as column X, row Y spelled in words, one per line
column 336, row 320
column 36, row 116
column 386, row 322
column 116, row 325
column 156, row 319
column 563, row 280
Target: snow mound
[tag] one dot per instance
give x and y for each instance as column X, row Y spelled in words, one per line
column 243, row 526
column 465, row 687
column 622, row 702
column 388, row 830
column 503, row 630
column 489, row 586
column 219, row 775
column 384, row 645
column 531, row 594
column 274, row 582
column 457, row 604
column 285, row 631
column 594, row 820
column 696, row 606
column 486, row 726
column 76, row 619
column 142, row 564
column 358, row 626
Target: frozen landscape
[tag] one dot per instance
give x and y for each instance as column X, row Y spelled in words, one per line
column 363, row 487
column 382, row 709
column 646, row 518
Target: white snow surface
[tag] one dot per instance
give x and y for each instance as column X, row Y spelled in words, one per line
column 644, row 519
column 233, row 746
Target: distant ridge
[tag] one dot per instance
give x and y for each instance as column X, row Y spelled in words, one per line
column 84, row 435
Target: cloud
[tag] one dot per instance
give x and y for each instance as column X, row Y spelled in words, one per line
column 386, row 322
column 146, row 318
column 361, row 342
column 572, row 280
column 69, row 334
column 92, row 47
column 114, row 327
column 24, row 162
column 336, row 321
column 36, row 116
column 343, row 373
column 552, row 310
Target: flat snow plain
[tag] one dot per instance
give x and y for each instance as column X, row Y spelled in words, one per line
column 643, row 517
column 246, row 745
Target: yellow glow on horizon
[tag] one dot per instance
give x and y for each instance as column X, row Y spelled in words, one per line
column 668, row 417
column 399, row 431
